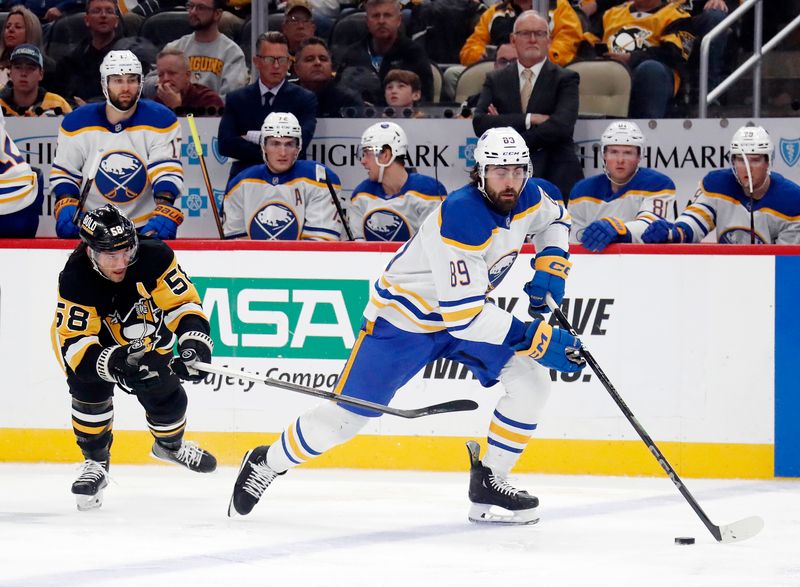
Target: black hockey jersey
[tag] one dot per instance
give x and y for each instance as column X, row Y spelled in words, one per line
column 154, row 303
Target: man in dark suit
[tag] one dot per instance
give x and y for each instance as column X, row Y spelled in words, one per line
column 539, row 99
column 246, row 109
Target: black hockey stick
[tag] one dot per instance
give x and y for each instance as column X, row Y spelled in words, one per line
column 339, row 209
column 460, row 405
column 734, row 532
column 87, row 186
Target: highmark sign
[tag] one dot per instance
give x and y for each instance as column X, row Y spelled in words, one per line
column 283, row 318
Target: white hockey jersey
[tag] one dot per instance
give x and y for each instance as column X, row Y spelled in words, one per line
column 720, row 203
column 138, row 157
column 18, row 183
column 440, row 278
column 648, row 196
column 295, row 205
column 375, row 215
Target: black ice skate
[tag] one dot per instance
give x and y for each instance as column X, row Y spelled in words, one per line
column 254, row 478
column 493, row 499
column 188, row 454
column 88, row 487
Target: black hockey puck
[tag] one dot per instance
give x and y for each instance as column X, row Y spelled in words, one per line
column 684, row 540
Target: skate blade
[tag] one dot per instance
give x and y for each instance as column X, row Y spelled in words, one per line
column 481, row 513
column 87, row 503
column 232, row 513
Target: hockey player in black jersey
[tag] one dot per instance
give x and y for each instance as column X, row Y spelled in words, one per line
column 123, row 300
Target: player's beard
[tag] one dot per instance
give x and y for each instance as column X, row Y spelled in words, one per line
column 504, row 200
column 124, row 105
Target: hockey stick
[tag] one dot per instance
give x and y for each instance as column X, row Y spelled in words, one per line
column 734, row 532
column 198, row 147
column 95, row 164
column 339, row 209
column 460, row 405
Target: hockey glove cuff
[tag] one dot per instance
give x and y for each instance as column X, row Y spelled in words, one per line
column 551, row 270
column 553, row 348
column 64, row 211
column 164, row 222
column 120, row 365
column 192, row 346
column 601, row 233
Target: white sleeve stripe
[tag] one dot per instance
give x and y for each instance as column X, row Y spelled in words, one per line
column 181, row 310
column 78, row 346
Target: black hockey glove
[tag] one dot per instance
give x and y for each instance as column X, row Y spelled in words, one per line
column 120, row 365
column 192, row 346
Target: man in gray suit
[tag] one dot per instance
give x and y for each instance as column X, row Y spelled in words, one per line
column 538, row 99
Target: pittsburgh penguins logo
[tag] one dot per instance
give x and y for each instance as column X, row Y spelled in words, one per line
column 738, row 235
column 121, row 177
column 275, row 221
column 500, row 269
column 386, row 225
column 628, row 39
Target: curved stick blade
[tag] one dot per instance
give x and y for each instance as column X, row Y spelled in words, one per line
column 459, row 405
column 741, row 530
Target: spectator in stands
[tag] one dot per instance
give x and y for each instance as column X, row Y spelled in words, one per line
column 391, row 204
column 707, row 14
column 177, row 92
column 539, row 99
column 654, row 39
column 506, row 55
column 298, row 25
column 79, row 72
column 366, row 62
column 402, row 91
column 618, row 205
column 24, row 96
column 246, row 109
column 23, row 194
column 21, row 26
column 314, row 73
column 216, row 61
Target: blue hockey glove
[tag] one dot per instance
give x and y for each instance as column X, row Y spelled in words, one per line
column 192, row 346
column 552, row 268
column 65, row 209
column 661, row 231
column 553, row 348
column 601, row 233
column 163, row 223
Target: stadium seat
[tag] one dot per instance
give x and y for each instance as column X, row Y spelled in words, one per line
column 605, row 88
column 346, row 31
column 164, row 27
column 230, row 25
column 131, row 23
column 471, row 79
column 65, row 34
column 245, row 39
column 437, row 83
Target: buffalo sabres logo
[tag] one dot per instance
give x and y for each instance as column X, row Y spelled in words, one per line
column 500, row 269
column 386, row 225
column 121, row 177
column 275, row 221
column 738, row 235
column 628, row 39
column 790, row 151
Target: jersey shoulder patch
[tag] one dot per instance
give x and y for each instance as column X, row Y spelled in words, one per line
column 367, row 188
column 652, row 180
column 721, row 181
column 549, row 188
column 85, row 116
column 465, row 218
column 149, row 113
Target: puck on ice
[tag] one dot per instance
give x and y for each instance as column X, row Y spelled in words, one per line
column 684, row 540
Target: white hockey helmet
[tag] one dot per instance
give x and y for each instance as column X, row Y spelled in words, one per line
column 119, row 63
column 281, row 125
column 752, row 140
column 501, row 146
column 380, row 135
column 622, row 132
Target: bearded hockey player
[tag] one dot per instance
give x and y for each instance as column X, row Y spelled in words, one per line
column 746, row 204
column 126, row 151
column 284, row 199
column 123, row 301
column 391, row 203
column 431, row 303
column 618, row 205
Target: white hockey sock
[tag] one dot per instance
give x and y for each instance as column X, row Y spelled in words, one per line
column 527, row 386
column 313, row 433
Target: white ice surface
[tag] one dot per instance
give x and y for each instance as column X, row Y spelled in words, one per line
column 160, row 525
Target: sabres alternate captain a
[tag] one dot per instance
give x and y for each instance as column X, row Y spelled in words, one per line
column 123, row 300
column 126, row 150
column 431, row 303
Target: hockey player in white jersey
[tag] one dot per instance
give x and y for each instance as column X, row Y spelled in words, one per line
column 20, row 204
column 134, row 146
column 430, row 303
column 746, row 204
column 618, row 205
column 284, row 199
column 391, row 203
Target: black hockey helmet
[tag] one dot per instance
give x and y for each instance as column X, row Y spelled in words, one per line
column 107, row 229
